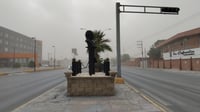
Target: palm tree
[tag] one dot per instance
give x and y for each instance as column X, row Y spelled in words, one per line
column 100, row 43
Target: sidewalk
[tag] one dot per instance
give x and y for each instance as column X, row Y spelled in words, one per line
column 55, row 100
column 6, row 71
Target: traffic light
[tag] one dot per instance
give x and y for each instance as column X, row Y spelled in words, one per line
column 170, row 10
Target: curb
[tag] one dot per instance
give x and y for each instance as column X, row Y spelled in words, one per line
column 40, row 70
column 158, row 105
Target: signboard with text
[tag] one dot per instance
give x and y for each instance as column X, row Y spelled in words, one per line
column 183, row 54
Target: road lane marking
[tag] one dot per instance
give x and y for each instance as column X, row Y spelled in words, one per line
column 161, row 107
column 156, row 104
column 131, row 87
column 154, row 97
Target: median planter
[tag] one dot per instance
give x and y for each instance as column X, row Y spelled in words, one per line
column 85, row 85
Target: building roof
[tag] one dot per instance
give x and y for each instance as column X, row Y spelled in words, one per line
column 158, row 42
column 180, row 35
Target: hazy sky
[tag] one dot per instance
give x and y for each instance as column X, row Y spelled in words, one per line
column 58, row 22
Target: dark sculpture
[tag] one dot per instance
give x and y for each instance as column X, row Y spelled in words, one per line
column 106, row 67
column 91, row 50
column 79, row 64
column 76, row 67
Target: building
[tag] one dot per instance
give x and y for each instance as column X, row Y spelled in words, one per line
column 18, row 48
column 182, row 51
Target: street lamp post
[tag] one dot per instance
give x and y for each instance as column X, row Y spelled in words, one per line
column 34, row 65
column 13, row 57
column 146, row 10
column 48, row 59
column 54, row 62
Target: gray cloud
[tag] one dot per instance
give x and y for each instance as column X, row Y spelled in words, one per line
column 58, row 22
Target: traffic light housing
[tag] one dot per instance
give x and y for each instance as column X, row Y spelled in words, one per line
column 170, row 10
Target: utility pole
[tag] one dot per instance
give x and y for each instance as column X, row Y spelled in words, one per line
column 54, row 57
column 48, row 59
column 146, row 10
column 35, row 56
column 145, row 58
column 140, row 45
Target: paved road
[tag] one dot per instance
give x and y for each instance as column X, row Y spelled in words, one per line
column 178, row 91
column 18, row 88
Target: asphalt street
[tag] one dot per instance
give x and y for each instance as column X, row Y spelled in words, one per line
column 179, row 91
column 18, row 88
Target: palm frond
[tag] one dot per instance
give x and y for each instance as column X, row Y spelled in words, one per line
column 101, row 43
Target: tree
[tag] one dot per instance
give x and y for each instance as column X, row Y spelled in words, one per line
column 31, row 64
column 154, row 53
column 17, row 65
column 101, row 46
column 125, row 57
column 100, row 43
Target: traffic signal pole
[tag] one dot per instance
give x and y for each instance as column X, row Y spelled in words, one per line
column 145, row 10
column 118, row 39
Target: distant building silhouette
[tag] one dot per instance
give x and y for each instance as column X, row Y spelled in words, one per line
column 18, row 48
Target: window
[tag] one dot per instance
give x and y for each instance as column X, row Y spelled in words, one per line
column 16, row 60
column 6, row 49
column 6, row 35
column 20, row 45
column 1, row 34
column 11, row 60
column 6, row 43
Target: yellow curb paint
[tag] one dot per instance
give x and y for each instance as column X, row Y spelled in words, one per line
column 119, row 80
column 161, row 107
column 156, row 104
column 133, row 88
column 3, row 74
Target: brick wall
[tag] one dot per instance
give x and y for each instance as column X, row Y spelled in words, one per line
column 181, row 64
column 196, row 64
column 186, row 64
column 155, row 64
column 167, row 64
column 193, row 42
column 161, row 62
column 175, row 64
